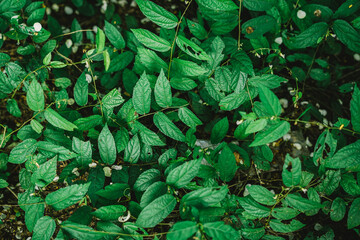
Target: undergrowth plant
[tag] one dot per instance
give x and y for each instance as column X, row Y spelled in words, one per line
column 177, row 131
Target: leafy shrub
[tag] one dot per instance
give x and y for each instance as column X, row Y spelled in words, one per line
column 179, row 132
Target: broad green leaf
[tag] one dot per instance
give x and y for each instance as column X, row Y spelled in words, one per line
column 110, row 212
column 223, row 76
column 4, row 58
column 151, row 40
column 121, row 139
column 219, row 130
column 355, row 109
column 183, row 174
column 347, row 8
column 84, row 151
column 166, row 156
column 157, row 14
column 45, row 173
column 112, row 99
column 310, row 36
column 291, row 173
column 257, row 27
column 187, row 68
column 270, row 81
column 114, row 191
column 146, row 179
column 132, row 150
column 261, row 195
column 256, row 126
column 184, row 84
column 36, row 126
column 154, row 191
column 34, row 210
column 156, row 211
column 44, row 228
column 114, row 36
column 271, row 133
column 284, row 213
column 182, row 230
column 330, row 182
column 270, row 101
column 81, row 90
column 347, row 35
column 205, row 197
column 219, row 5
column 120, row 62
column 51, row 150
column 22, row 151
column 87, row 123
column 78, row 36
column 197, row 29
column 67, row 196
column 226, row 164
column 79, row 231
column 147, row 136
column 220, row 231
column 293, row 226
column 353, row 219
column 188, row 117
column 338, row 209
column 254, row 208
column 107, row 148
column 162, row 91
column 191, row 48
column 100, row 40
column 167, row 127
column 58, row 121
column 302, row 204
column 107, row 60
column 150, row 60
column 348, row 156
column 13, row 108
column 233, row 101
column 35, row 96
column 142, row 95
column 258, row 5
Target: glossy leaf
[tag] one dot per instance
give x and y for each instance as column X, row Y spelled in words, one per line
column 271, row 133
column 58, row 121
column 107, row 148
column 35, row 96
column 142, row 95
column 44, row 228
column 226, row 164
column 162, row 91
column 219, row 130
column 167, row 127
column 151, row 40
column 183, row 174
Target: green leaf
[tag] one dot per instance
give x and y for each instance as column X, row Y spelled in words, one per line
column 78, row 36
column 261, row 195
column 330, row 183
column 256, row 126
column 84, row 151
column 271, row 133
column 183, row 174
column 81, row 90
column 150, row 60
column 114, row 36
column 36, row 126
column 142, row 95
column 151, row 40
column 205, row 197
column 154, row 191
column 100, row 40
column 353, row 219
column 157, row 14
column 184, row 84
column 113, row 191
column 107, row 148
column 310, row 36
column 348, row 156
column 44, row 228
column 33, row 212
column 87, row 123
column 120, row 62
column 187, row 68
column 121, row 139
column 13, row 108
column 188, row 117
column 258, row 5
column 254, row 208
column 227, row 164
column 110, row 213
column 106, row 60
column 4, row 58
column 3, row 183
column 338, row 209
column 166, row 156
column 156, row 211
column 147, row 136
column 191, row 48
column 36, row 16
column 220, row 231
column 58, row 121
column 257, row 27
column 270, row 81
column 182, row 230
column 22, row 151
column 302, row 204
column 112, row 99
column 291, row 174
column 79, row 231
column 167, row 127
column 35, row 96
column 45, row 173
column 197, row 29
column 270, row 101
column 355, row 109
column 162, row 91
column 67, row 196
column 132, row 150
column 219, row 130
column 219, row 5
column 50, row 150
column 293, row 226
column 146, row 179
column 233, row 101
column 284, row 213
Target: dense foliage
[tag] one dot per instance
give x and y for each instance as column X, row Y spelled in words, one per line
column 181, row 127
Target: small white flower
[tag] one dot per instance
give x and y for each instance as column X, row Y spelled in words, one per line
column 282, row 55
column 304, row 103
column 304, row 190
column 56, row 178
column 317, row 105
column 317, row 227
column 37, row 26
column 287, row 137
column 48, row 11
column 1, row 36
column 323, row 112
column 307, row 142
column 301, row 14
column 70, row 101
column 104, row 7
column 357, row 57
column 68, row 10
column 74, row 48
column 246, row 192
column 144, row 20
column 55, row 7
column 68, row 43
column 284, row 102
column 117, row 167
column 124, row 218
column 321, row 126
column 107, row 171
column 311, row 154
column 88, row 78
column 297, row 146
column 238, row 122
column 133, row 4
column 325, row 121
column 15, row 17
column 279, row 40
column 307, row 125
column 76, row 172
column 92, row 165
column 95, row 28
column 37, row 187
column 122, row 3
column 87, row 65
